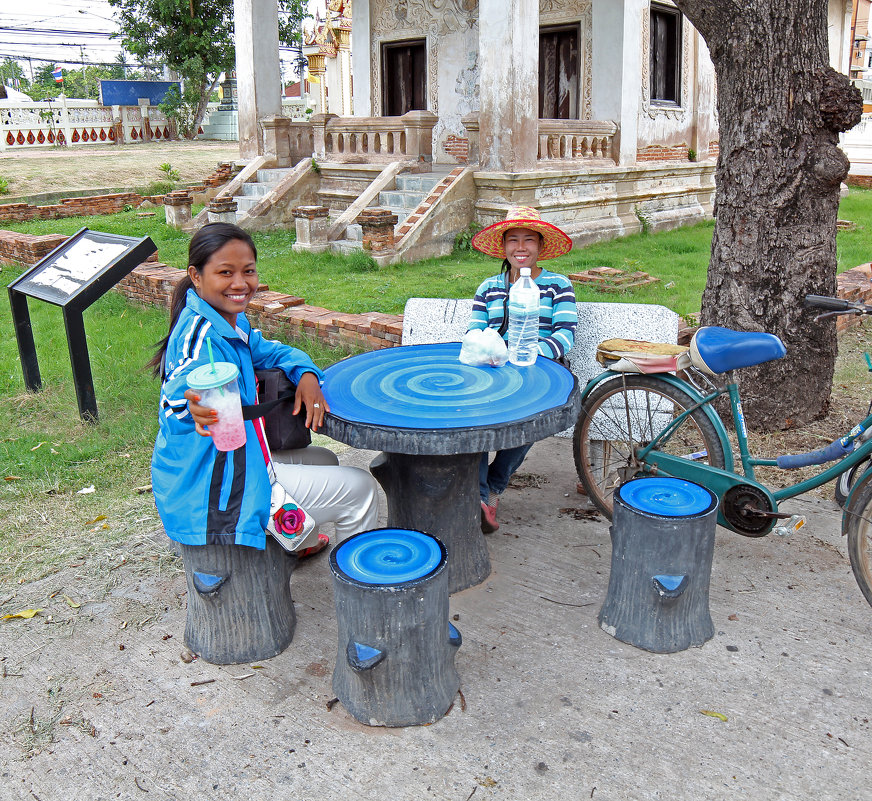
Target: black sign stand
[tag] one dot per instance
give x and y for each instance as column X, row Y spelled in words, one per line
column 73, row 276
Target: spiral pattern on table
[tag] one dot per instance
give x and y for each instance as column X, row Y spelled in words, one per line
column 426, row 386
column 388, row 556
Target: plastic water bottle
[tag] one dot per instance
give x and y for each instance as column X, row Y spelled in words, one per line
column 524, row 320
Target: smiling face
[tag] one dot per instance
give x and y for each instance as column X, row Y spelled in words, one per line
column 522, row 249
column 228, row 280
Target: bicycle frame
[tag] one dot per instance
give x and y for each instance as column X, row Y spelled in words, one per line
column 720, row 480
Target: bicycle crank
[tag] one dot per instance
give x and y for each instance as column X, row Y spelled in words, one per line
column 748, row 510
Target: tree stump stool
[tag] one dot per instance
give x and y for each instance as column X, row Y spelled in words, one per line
column 663, row 539
column 239, row 601
column 395, row 661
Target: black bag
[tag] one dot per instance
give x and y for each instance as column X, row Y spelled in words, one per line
column 275, row 403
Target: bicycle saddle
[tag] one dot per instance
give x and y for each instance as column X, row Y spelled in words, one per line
column 718, row 350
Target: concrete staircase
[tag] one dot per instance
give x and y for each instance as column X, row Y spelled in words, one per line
column 253, row 191
column 409, row 192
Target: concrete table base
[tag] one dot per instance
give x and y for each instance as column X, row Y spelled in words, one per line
column 439, row 496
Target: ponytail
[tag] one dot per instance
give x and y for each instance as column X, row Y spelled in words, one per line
column 177, row 303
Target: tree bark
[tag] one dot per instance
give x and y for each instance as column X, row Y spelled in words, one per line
column 200, row 112
column 781, row 108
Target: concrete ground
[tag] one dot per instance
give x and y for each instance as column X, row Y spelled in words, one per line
column 100, row 705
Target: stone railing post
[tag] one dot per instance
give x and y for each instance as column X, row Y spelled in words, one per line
column 319, row 132
column 378, row 230
column 418, row 126
column 221, row 209
column 311, row 225
column 276, row 139
column 470, row 122
column 177, row 206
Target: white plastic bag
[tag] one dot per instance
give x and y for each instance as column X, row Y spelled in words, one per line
column 483, row 347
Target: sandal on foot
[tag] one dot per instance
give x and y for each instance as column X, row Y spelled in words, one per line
column 489, row 517
column 323, row 542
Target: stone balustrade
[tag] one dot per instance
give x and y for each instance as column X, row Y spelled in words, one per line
column 374, row 139
column 289, row 140
column 560, row 140
column 576, row 139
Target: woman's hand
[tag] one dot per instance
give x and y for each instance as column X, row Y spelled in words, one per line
column 309, row 395
column 202, row 415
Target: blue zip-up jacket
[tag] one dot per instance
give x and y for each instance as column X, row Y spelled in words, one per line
column 203, row 495
column 558, row 314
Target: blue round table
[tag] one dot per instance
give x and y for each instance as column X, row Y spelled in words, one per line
column 433, row 417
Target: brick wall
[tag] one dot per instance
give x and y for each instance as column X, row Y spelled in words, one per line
column 458, row 147
column 860, row 181
column 71, row 207
column 663, row 153
column 278, row 315
column 26, row 249
column 106, row 204
column 287, row 316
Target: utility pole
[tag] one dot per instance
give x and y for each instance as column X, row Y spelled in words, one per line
column 84, row 74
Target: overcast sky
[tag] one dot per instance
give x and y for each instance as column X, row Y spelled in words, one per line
column 83, row 26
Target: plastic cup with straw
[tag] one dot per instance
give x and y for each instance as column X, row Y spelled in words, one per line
column 217, row 385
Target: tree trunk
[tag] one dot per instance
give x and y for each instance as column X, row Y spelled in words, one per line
column 205, row 93
column 781, row 108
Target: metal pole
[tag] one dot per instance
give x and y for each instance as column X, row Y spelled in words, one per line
column 78, row 347
column 24, row 335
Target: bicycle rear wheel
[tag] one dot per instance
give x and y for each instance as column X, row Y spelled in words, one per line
column 625, row 413
column 858, row 525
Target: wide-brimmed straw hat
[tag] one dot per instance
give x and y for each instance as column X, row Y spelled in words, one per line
column 490, row 240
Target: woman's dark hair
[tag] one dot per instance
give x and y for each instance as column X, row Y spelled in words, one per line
column 209, row 239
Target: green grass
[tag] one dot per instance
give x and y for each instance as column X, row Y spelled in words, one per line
column 47, row 454
column 855, row 247
column 354, row 284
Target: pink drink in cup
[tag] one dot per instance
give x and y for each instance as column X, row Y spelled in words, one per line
column 218, row 390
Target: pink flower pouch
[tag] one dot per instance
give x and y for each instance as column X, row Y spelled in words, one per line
column 288, row 522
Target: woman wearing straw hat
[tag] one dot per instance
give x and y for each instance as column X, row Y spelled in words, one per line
column 521, row 240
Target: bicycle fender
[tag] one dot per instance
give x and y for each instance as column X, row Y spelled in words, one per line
column 861, row 481
column 677, row 383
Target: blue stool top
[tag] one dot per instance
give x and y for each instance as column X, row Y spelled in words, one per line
column 666, row 497
column 388, row 556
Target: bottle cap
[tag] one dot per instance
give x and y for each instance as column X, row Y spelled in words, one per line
column 525, row 272
column 206, row 376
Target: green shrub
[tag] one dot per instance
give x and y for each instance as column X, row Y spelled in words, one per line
column 463, row 240
column 4, row 186
column 171, row 174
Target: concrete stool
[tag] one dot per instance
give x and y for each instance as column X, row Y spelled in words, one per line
column 663, row 540
column 239, row 601
column 395, row 662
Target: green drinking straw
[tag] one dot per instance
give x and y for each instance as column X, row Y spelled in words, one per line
column 212, row 361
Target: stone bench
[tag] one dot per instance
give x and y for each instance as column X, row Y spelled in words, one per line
column 427, row 320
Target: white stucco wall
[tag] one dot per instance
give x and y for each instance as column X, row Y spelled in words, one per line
column 839, row 15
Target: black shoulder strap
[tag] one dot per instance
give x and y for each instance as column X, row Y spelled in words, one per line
column 504, row 326
column 260, row 409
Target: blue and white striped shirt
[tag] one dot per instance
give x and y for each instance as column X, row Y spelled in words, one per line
column 558, row 314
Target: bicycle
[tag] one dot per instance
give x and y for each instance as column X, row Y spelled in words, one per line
column 651, row 412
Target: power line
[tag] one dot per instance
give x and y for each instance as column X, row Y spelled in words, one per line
column 61, row 61
column 57, row 31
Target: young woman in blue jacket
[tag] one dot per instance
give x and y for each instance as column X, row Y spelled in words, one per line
column 206, row 496
column 522, row 240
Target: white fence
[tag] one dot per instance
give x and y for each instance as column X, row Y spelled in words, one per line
column 61, row 122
